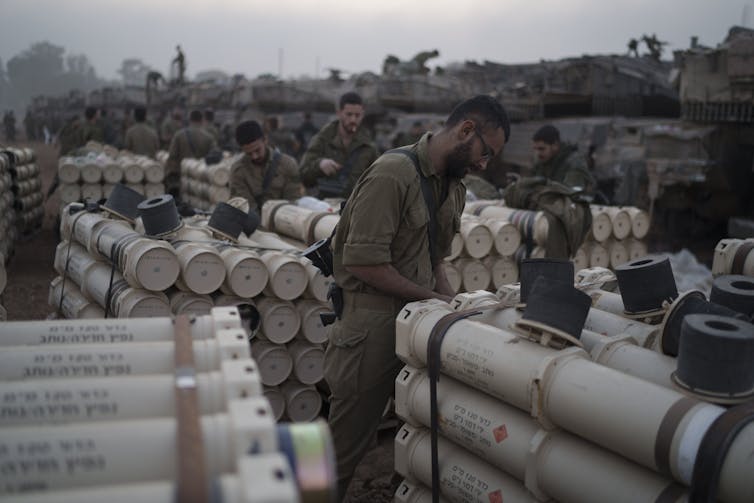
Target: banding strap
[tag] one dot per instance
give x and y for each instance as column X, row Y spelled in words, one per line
column 433, row 363
column 191, row 485
column 714, row 449
column 86, row 209
column 667, row 429
column 739, row 259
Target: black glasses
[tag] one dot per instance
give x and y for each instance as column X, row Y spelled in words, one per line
column 487, row 152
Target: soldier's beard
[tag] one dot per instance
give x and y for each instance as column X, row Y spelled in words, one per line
column 458, row 161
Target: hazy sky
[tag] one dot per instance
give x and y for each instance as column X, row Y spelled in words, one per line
column 245, row 35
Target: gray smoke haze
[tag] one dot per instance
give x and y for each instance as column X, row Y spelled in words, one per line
column 245, row 36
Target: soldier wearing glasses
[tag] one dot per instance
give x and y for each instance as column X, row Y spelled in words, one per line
column 383, row 257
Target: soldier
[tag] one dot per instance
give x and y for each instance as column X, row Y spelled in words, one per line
column 190, row 142
column 180, row 62
column 561, row 162
column 479, row 188
column 141, row 138
column 388, row 249
column 209, row 124
column 70, row 136
column 170, row 125
column 278, row 138
column 262, row 173
column 9, row 121
column 91, row 130
column 409, row 137
column 304, row 133
column 340, row 152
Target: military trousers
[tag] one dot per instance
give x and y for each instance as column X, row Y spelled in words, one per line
column 360, row 369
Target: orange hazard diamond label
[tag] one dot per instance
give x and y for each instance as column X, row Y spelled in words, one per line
column 496, row 497
column 501, row 433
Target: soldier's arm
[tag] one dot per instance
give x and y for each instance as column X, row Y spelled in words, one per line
column 239, row 187
column 172, row 165
column 309, row 168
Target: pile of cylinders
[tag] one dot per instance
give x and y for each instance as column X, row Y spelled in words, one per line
column 91, row 176
column 22, row 191
column 204, row 186
column 8, row 229
column 521, row 421
column 106, row 266
column 734, row 256
column 618, row 234
column 102, row 411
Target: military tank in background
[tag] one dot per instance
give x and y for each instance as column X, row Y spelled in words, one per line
column 674, row 137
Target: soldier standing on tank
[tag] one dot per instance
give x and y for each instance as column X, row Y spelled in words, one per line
column 340, row 152
column 384, row 256
column 141, row 138
column 262, row 173
column 190, row 142
column 180, row 63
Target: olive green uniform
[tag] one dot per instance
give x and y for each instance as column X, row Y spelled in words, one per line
column 92, row 131
column 384, row 222
column 190, row 142
column 327, row 144
column 213, row 131
column 142, row 139
column 247, row 179
column 71, row 137
column 568, row 167
column 168, row 129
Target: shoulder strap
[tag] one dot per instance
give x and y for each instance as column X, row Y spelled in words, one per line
column 429, row 199
column 271, row 170
column 269, row 175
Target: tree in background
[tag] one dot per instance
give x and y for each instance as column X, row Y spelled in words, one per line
column 43, row 69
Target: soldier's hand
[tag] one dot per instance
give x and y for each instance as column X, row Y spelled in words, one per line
column 512, row 177
column 329, row 167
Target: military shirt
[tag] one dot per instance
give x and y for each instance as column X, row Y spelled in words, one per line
column 142, row 139
column 191, row 142
column 327, row 144
column 213, row 131
column 91, row 131
column 71, row 137
column 168, row 129
column 567, row 167
column 386, row 218
column 246, row 179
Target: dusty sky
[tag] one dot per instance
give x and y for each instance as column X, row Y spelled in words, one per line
column 246, row 36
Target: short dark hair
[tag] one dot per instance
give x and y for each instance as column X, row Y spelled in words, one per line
column 247, row 132
column 196, row 116
column 90, row 112
column 548, row 134
column 209, row 115
column 484, row 110
column 140, row 114
column 350, row 98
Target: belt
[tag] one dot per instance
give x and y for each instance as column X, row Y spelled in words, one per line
column 372, row 301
